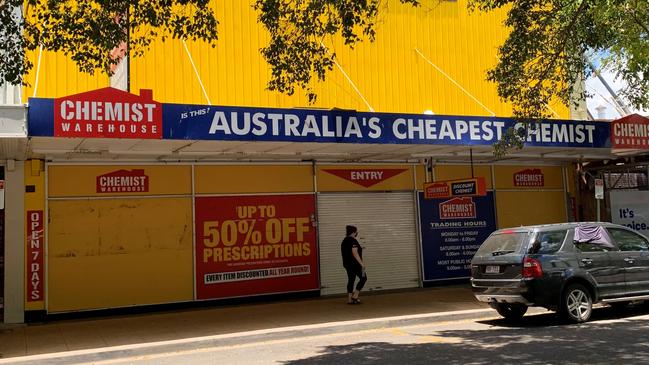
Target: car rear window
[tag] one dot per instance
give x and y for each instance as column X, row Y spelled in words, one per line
column 548, row 242
column 502, row 243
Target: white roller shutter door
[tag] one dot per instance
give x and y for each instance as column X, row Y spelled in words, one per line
column 387, row 232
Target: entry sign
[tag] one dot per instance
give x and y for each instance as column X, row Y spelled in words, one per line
column 454, row 188
column 599, row 188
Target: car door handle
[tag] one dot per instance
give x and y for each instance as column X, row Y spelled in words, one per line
column 629, row 260
column 587, row 261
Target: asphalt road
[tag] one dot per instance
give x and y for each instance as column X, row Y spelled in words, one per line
column 611, row 337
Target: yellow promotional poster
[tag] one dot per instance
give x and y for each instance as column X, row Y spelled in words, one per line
column 233, row 179
column 118, row 180
column 35, row 235
column 529, row 177
column 365, row 177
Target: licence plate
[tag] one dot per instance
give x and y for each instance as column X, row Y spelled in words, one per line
column 492, row 269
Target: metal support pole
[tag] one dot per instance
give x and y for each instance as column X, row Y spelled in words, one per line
column 599, row 210
column 471, row 157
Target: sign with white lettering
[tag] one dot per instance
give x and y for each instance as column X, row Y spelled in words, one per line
column 451, row 232
column 446, row 189
column 529, row 178
column 365, row 177
column 630, row 132
column 35, row 252
column 110, row 113
column 123, row 181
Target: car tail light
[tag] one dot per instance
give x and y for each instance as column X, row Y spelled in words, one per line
column 531, row 268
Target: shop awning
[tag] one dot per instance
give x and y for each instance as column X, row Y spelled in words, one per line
column 192, row 150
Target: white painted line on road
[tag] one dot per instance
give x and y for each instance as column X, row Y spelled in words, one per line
column 431, row 316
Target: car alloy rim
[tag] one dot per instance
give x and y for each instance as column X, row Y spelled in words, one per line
column 578, row 304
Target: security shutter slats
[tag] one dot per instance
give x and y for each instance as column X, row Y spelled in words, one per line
column 386, row 223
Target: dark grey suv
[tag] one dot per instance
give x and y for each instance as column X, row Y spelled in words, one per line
column 562, row 267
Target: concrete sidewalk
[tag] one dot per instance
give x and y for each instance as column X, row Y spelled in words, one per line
column 87, row 334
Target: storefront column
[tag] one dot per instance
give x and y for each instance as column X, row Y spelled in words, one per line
column 14, row 295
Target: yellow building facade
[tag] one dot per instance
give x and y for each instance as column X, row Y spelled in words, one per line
column 432, row 57
column 164, row 221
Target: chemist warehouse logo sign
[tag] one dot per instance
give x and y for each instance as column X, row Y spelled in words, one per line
column 108, row 113
column 123, row 181
column 457, row 208
column 529, row 178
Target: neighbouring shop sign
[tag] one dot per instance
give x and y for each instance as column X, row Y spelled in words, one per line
column 631, row 209
column 599, row 189
column 452, row 230
column 110, row 113
column 252, row 245
column 630, row 132
column 529, row 178
column 451, row 188
column 365, row 176
column 35, row 252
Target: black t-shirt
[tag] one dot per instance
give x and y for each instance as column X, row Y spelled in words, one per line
column 346, row 250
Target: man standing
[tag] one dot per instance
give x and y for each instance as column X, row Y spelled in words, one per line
column 352, row 253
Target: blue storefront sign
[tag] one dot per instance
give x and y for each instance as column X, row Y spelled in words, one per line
column 452, row 230
column 100, row 113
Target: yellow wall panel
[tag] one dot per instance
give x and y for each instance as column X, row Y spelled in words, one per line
column 521, row 208
column 119, row 252
column 70, row 180
column 228, row 179
column 59, row 76
column 418, row 55
column 455, row 172
column 422, row 176
column 552, row 177
column 329, row 181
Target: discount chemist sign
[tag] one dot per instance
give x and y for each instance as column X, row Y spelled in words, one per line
column 267, row 241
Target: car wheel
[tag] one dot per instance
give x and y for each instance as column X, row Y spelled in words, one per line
column 576, row 303
column 511, row 311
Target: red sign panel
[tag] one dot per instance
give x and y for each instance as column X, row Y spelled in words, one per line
column 529, row 178
column 123, row 181
column 630, row 132
column 436, row 190
column 108, row 113
column 365, row 177
column 251, row 245
column 446, row 189
column 35, row 252
column 457, row 208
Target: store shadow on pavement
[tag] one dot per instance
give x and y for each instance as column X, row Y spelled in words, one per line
column 537, row 341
